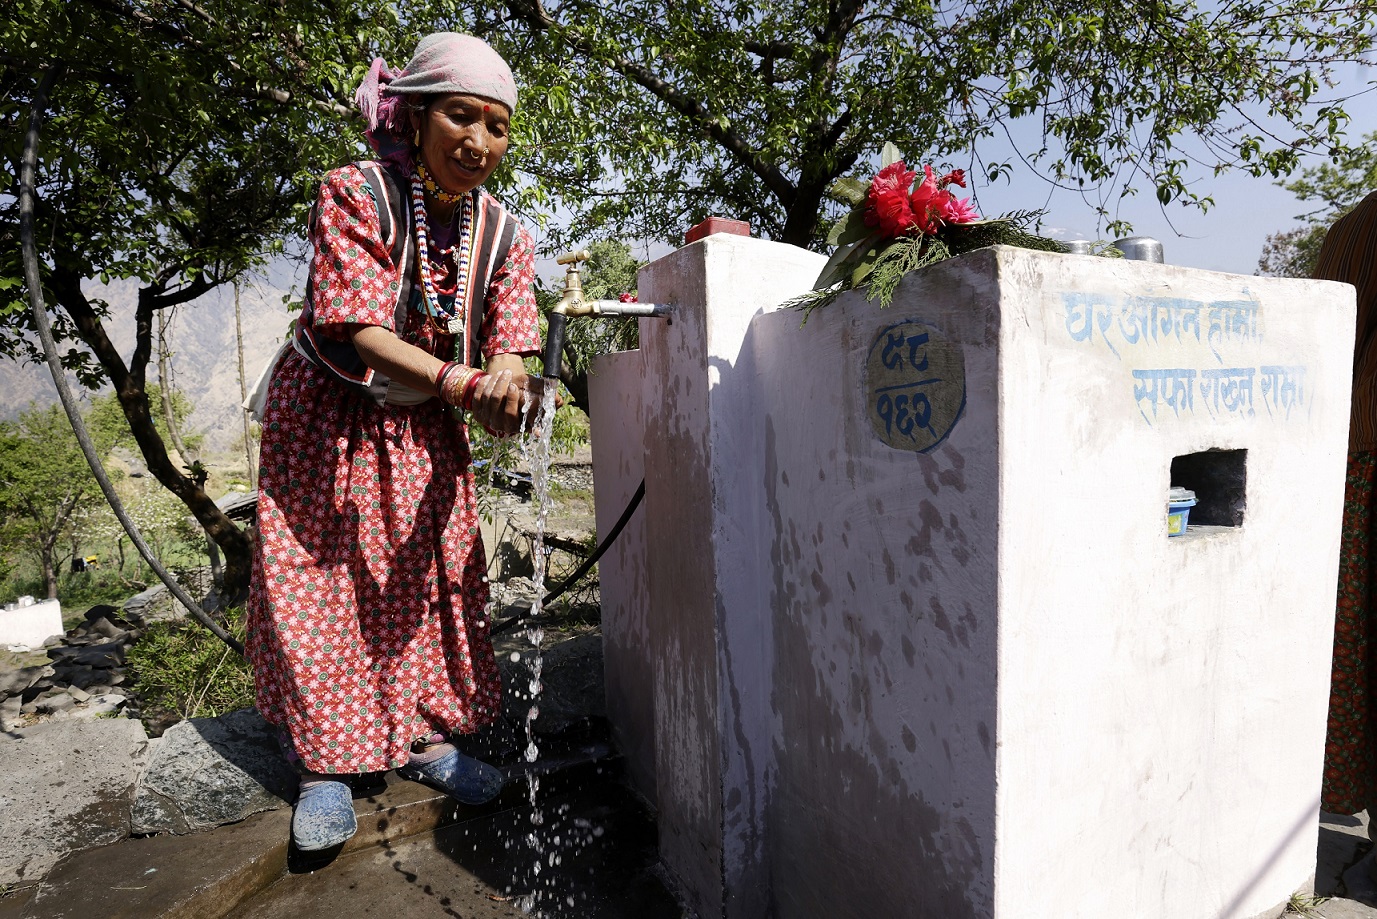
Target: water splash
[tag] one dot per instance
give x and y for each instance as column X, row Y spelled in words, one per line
column 535, row 449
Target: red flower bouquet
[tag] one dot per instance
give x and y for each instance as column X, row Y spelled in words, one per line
column 895, row 227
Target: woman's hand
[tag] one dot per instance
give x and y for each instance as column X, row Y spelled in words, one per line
column 496, row 403
column 500, row 395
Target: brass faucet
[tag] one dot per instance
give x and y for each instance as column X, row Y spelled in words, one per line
column 571, row 302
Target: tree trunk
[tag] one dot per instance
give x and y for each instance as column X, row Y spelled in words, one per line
column 128, row 382
column 45, row 554
column 165, row 391
column 217, row 570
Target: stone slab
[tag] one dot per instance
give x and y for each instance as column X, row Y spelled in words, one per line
column 1343, row 840
column 1359, row 884
column 65, row 786
column 1340, row 908
column 169, row 877
column 208, row 875
column 211, row 771
column 14, row 902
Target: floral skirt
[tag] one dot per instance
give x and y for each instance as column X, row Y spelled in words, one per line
column 1350, row 750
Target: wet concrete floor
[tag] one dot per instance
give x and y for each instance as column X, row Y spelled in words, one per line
column 594, row 855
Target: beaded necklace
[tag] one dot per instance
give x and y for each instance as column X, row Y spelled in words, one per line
column 453, row 322
column 444, row 197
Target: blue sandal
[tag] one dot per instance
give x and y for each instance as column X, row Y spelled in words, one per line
column 323, row 816
column 463, row 778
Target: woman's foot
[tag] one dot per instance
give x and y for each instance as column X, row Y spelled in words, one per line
column 444, row 768
column 324, row 814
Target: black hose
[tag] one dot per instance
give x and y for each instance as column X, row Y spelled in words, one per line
column 635, row 502
column 32, row 278
column 553, row 358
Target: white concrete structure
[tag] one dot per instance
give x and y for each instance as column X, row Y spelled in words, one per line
column 31, row 623
column 906, row 626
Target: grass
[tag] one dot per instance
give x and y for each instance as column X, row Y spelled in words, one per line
column 1302, row 904
column 179, row 667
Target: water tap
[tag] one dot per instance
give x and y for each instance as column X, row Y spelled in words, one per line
column 571, row 303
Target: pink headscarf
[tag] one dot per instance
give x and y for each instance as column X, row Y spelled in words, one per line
column 444, row 62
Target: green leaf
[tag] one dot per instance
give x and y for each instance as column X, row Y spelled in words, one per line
column 844, row 261
column 867, row 265
column 849, row 191
column 889, row 154
column 849, row 229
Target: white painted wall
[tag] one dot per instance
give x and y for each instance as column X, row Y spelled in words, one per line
column 884, row 574
column 980, row 680
column 710, row 630
column 1162, row 701
column 31, row 625
column 615, row 392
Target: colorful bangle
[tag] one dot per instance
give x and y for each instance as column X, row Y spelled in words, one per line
column 451, row 387
column 445, row 371
column 471, row 386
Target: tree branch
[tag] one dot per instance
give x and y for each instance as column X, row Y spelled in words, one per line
column 171, row 30
column 133, row 399
column 779, row 184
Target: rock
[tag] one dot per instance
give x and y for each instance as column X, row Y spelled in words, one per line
column 54, row 701
column 108, row 629
column 157, row 603
column 37, row 689
column 101, row 611
column 78, row 694
column 104, row 656
column 211, row 771
column 65, row 786
column 100, row 707
column 10, row 713
column 16, row 681
column 80, row 677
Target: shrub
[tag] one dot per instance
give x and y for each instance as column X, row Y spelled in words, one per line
column 180, row 668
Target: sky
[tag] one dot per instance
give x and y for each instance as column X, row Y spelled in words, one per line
column 1229, row 237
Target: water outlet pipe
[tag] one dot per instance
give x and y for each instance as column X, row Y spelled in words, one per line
column 571, row 303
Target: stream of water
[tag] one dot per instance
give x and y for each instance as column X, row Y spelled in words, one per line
column 535, row 449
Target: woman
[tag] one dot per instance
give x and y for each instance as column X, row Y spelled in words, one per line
column 1349, row 254
column 367, row 625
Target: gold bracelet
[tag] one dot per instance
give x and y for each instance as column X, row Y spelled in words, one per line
column 455, row 383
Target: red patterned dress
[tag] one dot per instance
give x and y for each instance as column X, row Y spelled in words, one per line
column 1349, row 254
column 366, row 618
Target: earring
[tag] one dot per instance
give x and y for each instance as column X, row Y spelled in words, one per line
column 417, row 141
